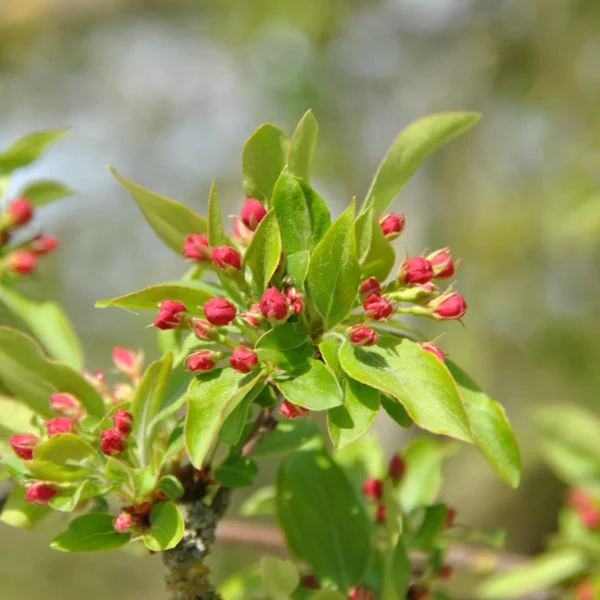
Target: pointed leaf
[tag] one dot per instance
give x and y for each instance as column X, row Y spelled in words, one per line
column 166, row 527
column 17, row 512
column 90, row 533
column 286, row 346
column 171, row 487
column 43, row 191
column 264, row 252
column 27, row 149
column 302, row 146
column 376, row 255
column 233, row 426
column 216, row 234
column 397, row 573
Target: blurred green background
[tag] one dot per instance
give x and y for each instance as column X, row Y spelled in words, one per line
column 168, row 90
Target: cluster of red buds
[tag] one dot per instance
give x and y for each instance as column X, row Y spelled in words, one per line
column 373, row 488
column 587, row 509
column 22, row 260
column 113, row 441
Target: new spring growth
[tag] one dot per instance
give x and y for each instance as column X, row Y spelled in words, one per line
column 291, row 411
column 392, row 225
column 253, row 212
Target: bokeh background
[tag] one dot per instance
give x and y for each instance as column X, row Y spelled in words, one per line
column 167, row 91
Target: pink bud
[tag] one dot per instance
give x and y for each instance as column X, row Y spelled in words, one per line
column 442, row 263
column 449, row 306
column 23, row 445
column 173, row 306
column 226, row 258
column 392, row 225
column 310, row 582
column 40, row 493
column 590, row 517
column 432, row 349
column 165, row 319
column 203, row 360
column 291, row 411
column 67, row 405
column 370, row 286
column 243, row 360
column 59, row 425
column 446, row 572
column 219, row 311
column 204, row 330
column 253, row 212
column 295, row 300
column 44, row 244
column 122, row 522
column 241, row 233
column 20, row 212
column 123, row 420
column 21, row 262
column 415, row 270
column 361, row 593
column 381, row 514
column 373, row 488
column 450, row 517
column 274, row 306
column 397, row 468
column 126, row 361
column 196, row 247
column 586, row 590
column 112, row 442
column 377, row 307
column 253, row 317
column 579, row 498
column 361, row 335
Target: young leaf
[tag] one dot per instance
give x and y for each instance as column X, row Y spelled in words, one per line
column 166, row 527
column 417, row 379
column 361, row 402
column 432, row 525
column 19, row 513
column 490, row 427
column 280, row 577
column 27, row 149
column 90, row 533
column 302, row 146
column 236, row 471
column 261, row 502
column 315, row 388
column 216, row 234
column 146, row 403
column 44, row 191
column 287, row 347
column 233, row 426
column 170, row 220
column 66, row 448
column 290, row 436
column 149, row 298
column 311, row 488
column 264, row 252
column 67, row 501
column 395, row 410
column 263, row 158
column 397, row 574
column 48, row 322
column 412, row 146
column 376, row 255
column 242, row 585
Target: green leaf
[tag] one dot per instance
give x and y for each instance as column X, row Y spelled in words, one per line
column 233, row 426
column 433, row 523
column 412, row 146
column 149, row 298
column 397, row 574
column 68, row 500
column 333, row 274
column 303, row 220
column 280, row 577
column 328, row 595
column 302, row 146
column 211, row 398
column 66, row 448
column 59, row 473
column 19, row 513
column 16, row 418
column 30, row 376
column 146, row 403
column 395, row 410
column 363, row 458
column 376, row 254
column 417, row 379
column 144, row 480
column 263, row 158
column 315, row 388
column 44, row 191
column 216, row 234
column 297, row 267
column 27, row 149
column 166, row 527
column 287, row 347
column 116, row 470
column 361, row 402
column 242, row 585
column 541, row 572
column 261, row 502
column 311, row 488
column 264, row 252
column 236, row 471
column 90, row 533
column 289, row 436
column 48, row 322
column 490, row 427
column 170, row 220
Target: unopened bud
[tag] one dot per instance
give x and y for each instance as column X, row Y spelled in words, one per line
column 253, row 212
column 19, row 212
column 123, row 420
column 448, row 306
column 169, row 315
column 40, row 493
column 432, row 349
column 127, row 361
column 361, row 593
column 450, row 517
column 396, row 468
column 204, row 330
column 373, row 488
column 203, row 360
column 370, row 286
column 252, row 317
column 361, row 335
column 392, row 225
column 196, row 247
column 219, row 311
column 295, row 300
column 112, row 442
column 59, row 425
column 579, row 498
column 241, row 233
column 67, row 405
column 377, row 307
column 226, row 258
column 590, row 517
column 23, row 445
column 310, row 582
column 381, row 514
column 21, row 262
column 415, row 270
column 442, row 263
column 173, row 306
column 243, row 360
column 291, row 411
column 44, row 244
column 123, row 522
column 274, row 306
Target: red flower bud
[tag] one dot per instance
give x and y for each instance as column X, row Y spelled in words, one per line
column 361, row 593
column 392, row 225
column 112, row 442
column 243, row 360
column 377, row 307
column 310, row 582
column 165, row 319
column 173, row 306
column 373, row 488
column 59, row 425
column 253, row 317
column 381, row 514
column 274, row 306
column 219, row 311
column 44, row 244
column 241, row 233
column 226, row 258
column 446, row 572
column 203, row 360
column 20, row 212
column 67, row 405
column 586, row 590
column 589, row 517
column 370, row 286
column 442, row 263
column 432, row 349
column 196, row 247
column 448, row 306
column 450, row 517
column 123, row 521
column 123, row 420
column 40, row 493
column 253, row 212
column 204, row 330
column 415, row 270
column 21, row 262
column 360, row 335
column 23, row 445
column 291, row 411
column 396, row 468
column 295, row 300
column 126, row 361
column 579, row 498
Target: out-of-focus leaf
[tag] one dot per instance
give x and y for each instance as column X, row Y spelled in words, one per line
column 90, row 533
column 216, row 233
column 302, row 146
column 166, row 527
column 242, row 584
column 19, row 513
column 44, row 191
column 261, row 502
column 397, row 574
column 363, row 458
column 236, row 471
column 264, row 252
column 27, row 149
column 280, row 577
column 431, row 526
column 290, row 436
column 376, row 255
